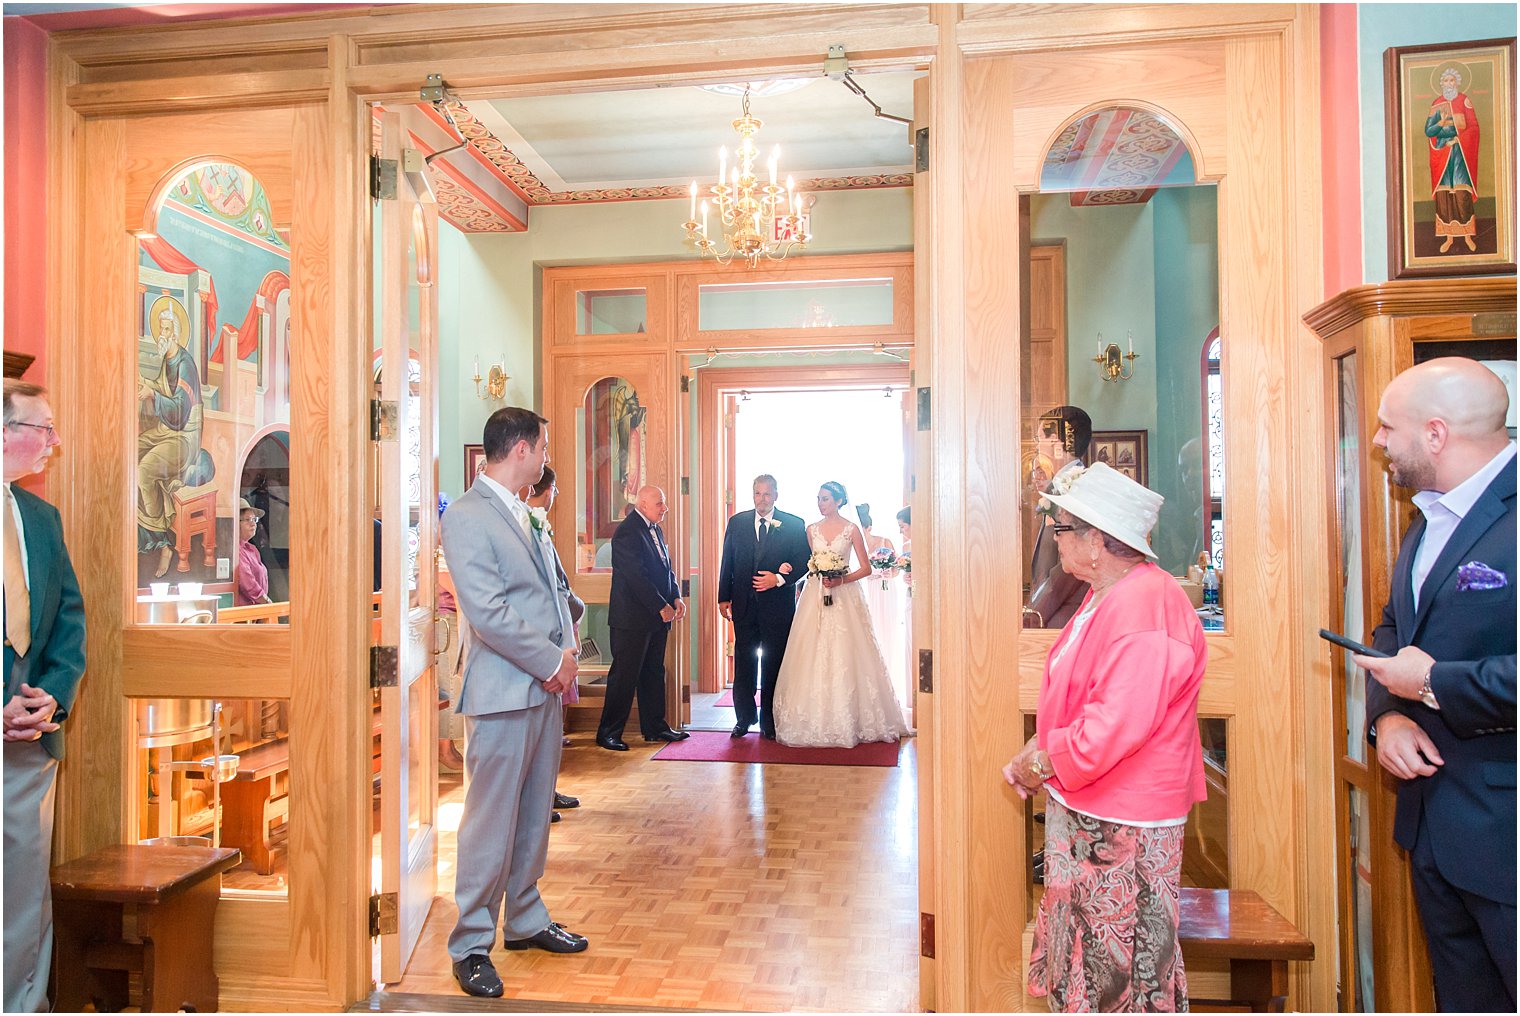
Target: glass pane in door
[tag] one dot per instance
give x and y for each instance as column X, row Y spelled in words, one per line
column 211, row 382
column 1348, row 464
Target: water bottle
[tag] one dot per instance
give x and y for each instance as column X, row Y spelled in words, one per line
column 1211, row 588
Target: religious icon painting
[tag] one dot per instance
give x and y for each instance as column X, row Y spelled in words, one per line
column 1451, row 159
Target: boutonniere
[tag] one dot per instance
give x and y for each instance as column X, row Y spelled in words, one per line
column 539, row 519
column 1477, row 576
column 773, row 523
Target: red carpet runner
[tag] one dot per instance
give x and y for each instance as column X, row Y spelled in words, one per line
column 718, row 746
column 726, row 700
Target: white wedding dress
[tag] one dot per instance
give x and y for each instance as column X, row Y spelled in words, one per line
column 833, row 690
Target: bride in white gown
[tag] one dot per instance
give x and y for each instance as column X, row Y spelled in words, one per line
column 833, row 690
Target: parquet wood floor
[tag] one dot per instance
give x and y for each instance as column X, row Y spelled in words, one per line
column 706, row 885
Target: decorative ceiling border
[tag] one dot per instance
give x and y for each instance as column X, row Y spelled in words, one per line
column 533, row 190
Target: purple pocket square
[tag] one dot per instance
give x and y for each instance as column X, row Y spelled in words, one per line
column 1476, row 575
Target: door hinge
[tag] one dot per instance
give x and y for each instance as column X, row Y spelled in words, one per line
column 728, row 497
column 383, row 909
column 686, row 589
column 926, row 671
column 924, row 415
column 383, row 174
column 926, row 935
column 384, row 666
column 432, row 89
column 383, row 417
column 685, row 383
column 685, row 485
column 921, row 150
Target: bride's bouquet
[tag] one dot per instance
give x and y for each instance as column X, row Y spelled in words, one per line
column 884, row 562
column 828, row 565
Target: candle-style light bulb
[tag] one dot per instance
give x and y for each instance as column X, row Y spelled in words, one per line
column 1100, row 344
column 1131, row 337
column 477, row 366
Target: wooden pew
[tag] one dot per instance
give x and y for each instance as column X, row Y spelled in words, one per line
column 1239, row 926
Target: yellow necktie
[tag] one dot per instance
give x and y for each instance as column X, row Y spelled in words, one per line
column 18, row 600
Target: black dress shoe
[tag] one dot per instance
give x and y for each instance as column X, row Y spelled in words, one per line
column 566, row 801
column 667, row 735
column 554, row 817
column 611, row 743
column 769, row 735
column 553, row 939
column 739, row 730
column 477, row 976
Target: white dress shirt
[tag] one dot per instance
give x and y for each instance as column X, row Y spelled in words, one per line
column 513, row 502
column 1445, row 512
column 26, row 565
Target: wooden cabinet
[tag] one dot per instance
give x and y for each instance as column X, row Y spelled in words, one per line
column 1370, row 334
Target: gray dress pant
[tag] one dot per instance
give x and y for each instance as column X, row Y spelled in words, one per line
column 511, row 761
column 30, row 779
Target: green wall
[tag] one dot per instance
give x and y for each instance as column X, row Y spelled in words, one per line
column 489, row 287
column 1150, row 270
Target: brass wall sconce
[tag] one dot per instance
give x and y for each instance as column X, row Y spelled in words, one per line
column 495, row 379
column 1111, row 362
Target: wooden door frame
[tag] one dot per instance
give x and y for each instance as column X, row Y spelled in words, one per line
column 712, row 384
column 330, row 67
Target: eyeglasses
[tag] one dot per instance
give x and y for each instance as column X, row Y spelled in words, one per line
column 52, row 432
column 1061, row 527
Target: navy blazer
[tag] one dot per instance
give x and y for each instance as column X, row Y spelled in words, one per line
column 55, row 661
column 643, row 584
column 1469, row 804
column 788, row 544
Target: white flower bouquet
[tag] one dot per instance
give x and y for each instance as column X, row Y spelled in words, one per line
column 827, row 565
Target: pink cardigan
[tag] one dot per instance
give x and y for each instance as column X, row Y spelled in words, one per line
column 1119, row 714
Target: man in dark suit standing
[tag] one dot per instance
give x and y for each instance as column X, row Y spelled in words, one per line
column 44, row 659
column 1441, row 712
column 1062, row 436
column 645, row 601
column 762, row 549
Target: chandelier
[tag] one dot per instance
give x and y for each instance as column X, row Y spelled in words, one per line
column 755, row 220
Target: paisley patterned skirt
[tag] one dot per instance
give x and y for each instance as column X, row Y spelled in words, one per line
column 1106, row 936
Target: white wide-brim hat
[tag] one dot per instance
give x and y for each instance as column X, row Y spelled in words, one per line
column 244, row 506
column 1109, row 501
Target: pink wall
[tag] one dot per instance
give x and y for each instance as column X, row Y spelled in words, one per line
column 26, row 199
column 25, row 190
column 1340, row 148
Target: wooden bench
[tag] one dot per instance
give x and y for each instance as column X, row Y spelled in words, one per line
column 1239, row 926
column 170, row 894
column 255, row 799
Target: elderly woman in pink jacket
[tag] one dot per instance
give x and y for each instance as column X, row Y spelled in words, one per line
column 1117, row 750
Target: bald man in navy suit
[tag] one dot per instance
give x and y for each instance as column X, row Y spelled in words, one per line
column 1441, row 710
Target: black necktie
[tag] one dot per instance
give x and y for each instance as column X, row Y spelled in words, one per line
column 760, row 540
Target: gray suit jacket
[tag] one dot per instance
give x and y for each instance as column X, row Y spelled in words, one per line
column 517, row 620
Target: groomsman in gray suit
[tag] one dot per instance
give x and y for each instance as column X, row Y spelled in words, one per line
column 520, row 656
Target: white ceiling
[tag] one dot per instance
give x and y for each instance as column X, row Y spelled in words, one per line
column 668, row 136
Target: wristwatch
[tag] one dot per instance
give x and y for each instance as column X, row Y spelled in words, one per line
column 1428, row 696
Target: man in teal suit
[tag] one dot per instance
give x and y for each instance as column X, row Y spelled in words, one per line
column 44, row 659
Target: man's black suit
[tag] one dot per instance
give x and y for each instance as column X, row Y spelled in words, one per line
column 1459, row 824
column 643, row 584
column 762, row 621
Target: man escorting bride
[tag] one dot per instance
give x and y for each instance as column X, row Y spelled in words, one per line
column 833, row 689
